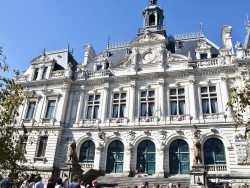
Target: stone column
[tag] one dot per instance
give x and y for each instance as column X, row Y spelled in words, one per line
column 98, row 155
column 161, row 100
column 225, row 95
column 131, row 112
column 104, row 103
column 79, row 109
column 127, row 160
column 192, row 101
column 160, row 160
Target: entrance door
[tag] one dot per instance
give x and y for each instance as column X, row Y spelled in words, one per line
column 179, row 157
column 115, row 157
column 146, row 156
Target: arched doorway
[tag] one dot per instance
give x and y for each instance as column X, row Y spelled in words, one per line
column 214, row 152
column 179, row 161
column 146, row 156
column 115, row 157
column 87, row 152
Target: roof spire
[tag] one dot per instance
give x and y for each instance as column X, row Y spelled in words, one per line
column 108, row 42
column 201, row 27
column 153, row 2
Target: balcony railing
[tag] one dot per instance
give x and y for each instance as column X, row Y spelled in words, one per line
column 183, row 117
column 23, row 78
column 216, row 168
column 103, row 73
column 57, row 74
column 118, row 120
column 149, row 119
column 86, row 166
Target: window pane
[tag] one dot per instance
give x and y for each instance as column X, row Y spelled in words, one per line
column 115, row 111
column 89, row 112
column 204, row 90
column 99, row 67
column 42, row 147
column 95, row 115
column 31, row 110
column 173, row 108
column 143, row 110
column 205, row 106
column 50, row 109
column 172, row 91
column 214, row 106
column 143, row 94
column 36, row 74
column 151, row 93
column 44, row 72
column 181, row 91
column 97, row 97
column 123, row 95
column 91, row 97
column 116, row 96
column 122, row 110
column 212, row 89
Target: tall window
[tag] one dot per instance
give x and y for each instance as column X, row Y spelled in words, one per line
column 119, row 105
column 209, row 100
column 177, row 101
column 214, row 152
column 93, row 106
column 99, row 67
column 151, row 19
column 50, row 109
column 36, row 74
column 23, row 143
column 44, row 73
column 87, row 152
column 31, row 110
column 147, row 103
column 42, row 146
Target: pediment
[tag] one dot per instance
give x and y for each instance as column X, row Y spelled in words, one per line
column 42, row 59
column 148, row 37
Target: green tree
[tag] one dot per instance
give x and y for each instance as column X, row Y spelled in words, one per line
column 240, row 104
column 11, row 131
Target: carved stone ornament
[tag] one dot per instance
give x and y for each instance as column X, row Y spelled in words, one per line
column 100, row 147
column 162, row 134
column 131, row 135
column 130, row 147
column 242, row 151
column 147, row 132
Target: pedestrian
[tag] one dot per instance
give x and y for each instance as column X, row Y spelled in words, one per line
column 66, row 181
column 59, row 183
column 139, row 171
column 74, row 183
column 156, row 185
column 94, row 184
column 50, row 183
column 39, row 183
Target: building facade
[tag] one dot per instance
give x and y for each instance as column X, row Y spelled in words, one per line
column 137, row 103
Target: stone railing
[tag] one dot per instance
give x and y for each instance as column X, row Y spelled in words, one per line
column 216, row 168
column 57, row 74
column 119, row 45
column 215, row 116
column 23, row 78
column 86, row 166
column 188, row 35
column 149, row 119
column 153, row 27
column 207, row 62
column 118, row 120
column 184, row 117
column 94, row 74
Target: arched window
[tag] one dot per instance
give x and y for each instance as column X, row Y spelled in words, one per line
column 87, row 152
column 151, row 20
column 214, row 152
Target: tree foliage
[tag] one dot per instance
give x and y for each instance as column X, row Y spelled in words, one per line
column 240, row 104
column 11, row 131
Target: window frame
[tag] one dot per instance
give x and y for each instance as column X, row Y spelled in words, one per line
column 208, row 96
column 42, row 146
column 87, row 160
column 28, row 109
column 94, row 103
column 45, row 72
column 151, row 101
column 119, row 101
column 47, row 108
column 23, row 142
column 36, row 74
column 179, row 98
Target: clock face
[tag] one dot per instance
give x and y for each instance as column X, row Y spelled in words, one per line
column 148, row 57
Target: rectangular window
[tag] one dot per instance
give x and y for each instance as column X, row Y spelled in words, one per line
column 50, row 109
column 147, row 103
column 31, row 110
column 209, row 100
column 93, row 106
column 119, row 105
column 177, row 101
column 36, row 74
column 42, row 146
column 203, row 56
column 99, row 67
column 44, row 73
column 23, row 143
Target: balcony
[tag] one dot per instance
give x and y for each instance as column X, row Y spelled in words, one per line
column 98, row 74
column 86, row 166
column 212, row 62
column 149, row 119
column 58, row 74
column 216, row 168
column 215, row 117
column 23, row 78
column 179, row 118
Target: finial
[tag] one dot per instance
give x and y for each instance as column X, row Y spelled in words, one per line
column 44, row 54
column 248, row 21
column 68, row 46
column 201, row 27
column 72, row 51
column 108, row 42
column 153, row 2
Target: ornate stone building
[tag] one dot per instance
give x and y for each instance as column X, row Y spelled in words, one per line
column 137, row 103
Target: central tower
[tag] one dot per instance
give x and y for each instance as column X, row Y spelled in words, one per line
column 153, row 19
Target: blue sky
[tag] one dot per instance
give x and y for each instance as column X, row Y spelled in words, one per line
column 27, row 27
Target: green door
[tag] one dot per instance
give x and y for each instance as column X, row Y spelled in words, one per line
column 115, row 157
column 146, row 156
column 179, row 157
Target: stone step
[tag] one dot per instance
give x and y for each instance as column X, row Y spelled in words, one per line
column 120, row 181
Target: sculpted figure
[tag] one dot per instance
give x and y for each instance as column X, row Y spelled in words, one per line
column 72, row 155
column 197, row 152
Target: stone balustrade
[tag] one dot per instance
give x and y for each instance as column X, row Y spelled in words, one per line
column 23, row 78
column 57, row 74
column 216, row 168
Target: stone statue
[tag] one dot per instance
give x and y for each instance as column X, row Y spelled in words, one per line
column 153, row 2
column 72, row 155
column 197, row 151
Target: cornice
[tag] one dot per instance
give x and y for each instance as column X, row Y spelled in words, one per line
column 46, row 82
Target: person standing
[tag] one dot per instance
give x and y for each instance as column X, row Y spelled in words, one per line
column 140, row 170
column 39, row 183
column 59, row 183
column 74, row 183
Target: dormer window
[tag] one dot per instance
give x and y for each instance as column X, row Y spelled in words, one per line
column 203, row 56
column 99, row 67
column 151, row 20
column 44, row 73
column 36, row 74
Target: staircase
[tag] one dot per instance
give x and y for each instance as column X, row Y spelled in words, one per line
column 121, row 181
